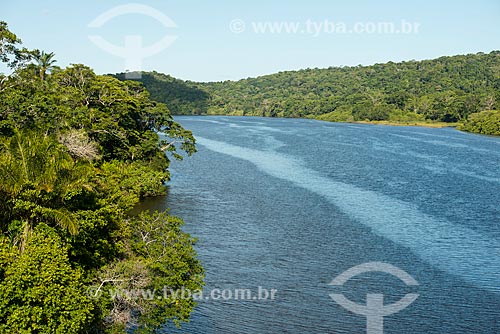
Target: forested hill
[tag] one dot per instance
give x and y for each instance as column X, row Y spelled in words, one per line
column 446, row 89
column 182, row 97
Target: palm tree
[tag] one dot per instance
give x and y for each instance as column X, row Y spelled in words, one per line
column 37, row 173
column 45, row 62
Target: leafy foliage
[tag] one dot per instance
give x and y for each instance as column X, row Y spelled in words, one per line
column 45, row 62
column 77, row 152
column 37, row 175
column 183, row 97
column 40, row 292
column 9, row 51
column 160, row 259
column 447, row 89
column 486, row 122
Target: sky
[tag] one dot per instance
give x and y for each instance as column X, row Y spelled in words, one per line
column 229, row 40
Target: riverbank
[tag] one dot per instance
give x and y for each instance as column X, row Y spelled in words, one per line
column 411, row 123
column 426, row 124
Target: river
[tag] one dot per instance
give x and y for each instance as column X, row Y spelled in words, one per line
column 290, row 204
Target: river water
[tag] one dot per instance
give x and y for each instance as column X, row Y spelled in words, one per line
column 290, row 204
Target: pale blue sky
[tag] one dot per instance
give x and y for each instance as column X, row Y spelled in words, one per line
column 207, row 50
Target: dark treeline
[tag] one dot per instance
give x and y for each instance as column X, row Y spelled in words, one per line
column 447, row 89
column 182, row 97
column 77, row 153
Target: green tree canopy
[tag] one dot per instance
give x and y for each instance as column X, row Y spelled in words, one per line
column 77, row 152
column 446, row 89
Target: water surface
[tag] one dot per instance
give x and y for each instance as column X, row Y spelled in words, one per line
column 289, row 204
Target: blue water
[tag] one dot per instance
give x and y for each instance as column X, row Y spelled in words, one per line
column 289, row 204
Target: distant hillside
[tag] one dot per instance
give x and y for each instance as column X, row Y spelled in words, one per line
column 446, row 89
column 181, row 97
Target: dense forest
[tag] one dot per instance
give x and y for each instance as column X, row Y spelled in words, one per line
column 447, row 89
column 77, row 153
column 79, row 150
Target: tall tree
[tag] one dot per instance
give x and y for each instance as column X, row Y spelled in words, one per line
column 45, row 62
column 10, row 53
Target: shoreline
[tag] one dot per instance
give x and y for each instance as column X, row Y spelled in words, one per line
column 436, row 125
column 423, row 124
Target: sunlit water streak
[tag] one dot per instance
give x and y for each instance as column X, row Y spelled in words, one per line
column 289, row 204
column 458, row 250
